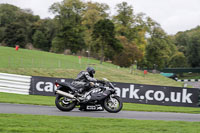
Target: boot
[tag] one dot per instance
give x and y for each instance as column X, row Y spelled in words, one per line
column 78, row 92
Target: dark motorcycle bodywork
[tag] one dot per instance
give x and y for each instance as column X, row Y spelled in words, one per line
column 96, row 99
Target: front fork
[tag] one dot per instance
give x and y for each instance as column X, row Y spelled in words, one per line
column 111, row 98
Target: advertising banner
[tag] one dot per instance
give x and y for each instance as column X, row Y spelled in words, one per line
column 159, row 95
column 130, row 92
column 45, row 85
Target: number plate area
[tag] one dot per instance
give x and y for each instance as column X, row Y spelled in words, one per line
column 97, row 107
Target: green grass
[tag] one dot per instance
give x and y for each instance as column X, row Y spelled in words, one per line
column 39, row 63
column 27, row 99
column 49, row 101
column 12, row 123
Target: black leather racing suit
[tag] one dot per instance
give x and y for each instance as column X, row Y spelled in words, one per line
column 82, row 81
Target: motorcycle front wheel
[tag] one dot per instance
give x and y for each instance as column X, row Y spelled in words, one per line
column 64, row 104
column 113, row 105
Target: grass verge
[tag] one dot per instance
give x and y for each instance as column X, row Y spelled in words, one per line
column 40, row 63
column 13, row 123
column 49, row 101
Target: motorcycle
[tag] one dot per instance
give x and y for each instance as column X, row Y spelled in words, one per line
column 101, row 95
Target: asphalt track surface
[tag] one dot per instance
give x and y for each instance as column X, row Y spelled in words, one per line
column 52, row 110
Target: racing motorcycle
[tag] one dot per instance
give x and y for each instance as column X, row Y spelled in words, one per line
column 100, row 96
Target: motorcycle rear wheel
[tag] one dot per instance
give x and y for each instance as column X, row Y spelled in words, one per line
column 113, row 106
column 64, row 104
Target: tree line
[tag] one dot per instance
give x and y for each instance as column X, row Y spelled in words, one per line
column 125, row 38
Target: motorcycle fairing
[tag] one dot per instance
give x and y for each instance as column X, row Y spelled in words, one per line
column 99, row 96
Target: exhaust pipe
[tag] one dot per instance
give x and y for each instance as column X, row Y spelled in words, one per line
column 65, row 94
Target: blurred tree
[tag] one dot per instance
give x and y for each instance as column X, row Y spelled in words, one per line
column 182, row 41
column 158, row 50
column 48, row 28
column 69, row 18
column 92, row 14
column 129, row 55
column 8, row 14
column 2, row 33
column 40, row 41
column 178, row 60
column 104, row 35
column 124, row 20
column 188, row 43
column 16, row 24
column 132, row 26
column 193, row 51
column 57, row 44
column 15, row 34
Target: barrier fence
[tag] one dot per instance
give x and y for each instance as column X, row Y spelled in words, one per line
column 129, row 92
column 12, row 83
column 51, row 63
column 23, row 62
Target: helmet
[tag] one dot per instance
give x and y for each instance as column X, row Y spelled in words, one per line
column 91, row 71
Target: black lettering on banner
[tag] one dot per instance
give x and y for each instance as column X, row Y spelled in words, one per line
column 129, row 92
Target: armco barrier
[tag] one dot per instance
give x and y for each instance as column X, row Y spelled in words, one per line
column 187, row 80
column 12, row 83
column 131, row 93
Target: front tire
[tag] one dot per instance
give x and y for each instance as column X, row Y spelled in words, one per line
column 64, row 104
column 114, row 105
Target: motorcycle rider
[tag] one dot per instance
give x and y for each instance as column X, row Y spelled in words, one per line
column 83, row 79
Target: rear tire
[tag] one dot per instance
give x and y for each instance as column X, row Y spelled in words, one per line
column 64, row 104
column 113, row 106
